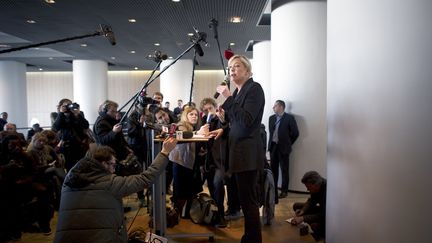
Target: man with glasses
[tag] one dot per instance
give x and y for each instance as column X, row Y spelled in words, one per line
column 91, row 208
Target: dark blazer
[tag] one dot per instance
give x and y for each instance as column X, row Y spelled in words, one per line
column 244, row 112
column 287, row 132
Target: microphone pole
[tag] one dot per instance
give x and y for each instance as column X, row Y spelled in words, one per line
column 105, row 31
column 135, row 97
column 193, row 76
column 144, row 86
column 213, row 24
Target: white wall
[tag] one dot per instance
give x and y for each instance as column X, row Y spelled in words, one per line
column 379, row 121
column 298, row 60
column 45, row 89
column 13, row 91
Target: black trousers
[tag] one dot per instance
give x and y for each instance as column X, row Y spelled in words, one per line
column 279, row 158
column 248, row 189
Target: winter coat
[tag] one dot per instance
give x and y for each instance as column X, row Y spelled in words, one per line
column 91, row 208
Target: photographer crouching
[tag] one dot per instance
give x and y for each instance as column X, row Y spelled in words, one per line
column 91, row 207
column 71, row 127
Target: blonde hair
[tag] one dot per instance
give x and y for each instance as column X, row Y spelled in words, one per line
column 184, row 120
column 244, row 60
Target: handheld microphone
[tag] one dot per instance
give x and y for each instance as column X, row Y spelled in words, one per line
column 209, row 117
column 213, row 25
column 108, row 33
column 224, row 83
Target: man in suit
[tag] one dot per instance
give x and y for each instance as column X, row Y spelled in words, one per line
column 283, row 134
column 243, row 110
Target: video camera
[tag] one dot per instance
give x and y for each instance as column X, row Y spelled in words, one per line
column 72, row 107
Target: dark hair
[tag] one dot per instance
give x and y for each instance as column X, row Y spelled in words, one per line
column 312, row 177
column 281, row 102
column 158, row 93
column 206, row 101
column 100, row 152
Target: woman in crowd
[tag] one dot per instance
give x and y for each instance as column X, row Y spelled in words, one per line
column 187, row 181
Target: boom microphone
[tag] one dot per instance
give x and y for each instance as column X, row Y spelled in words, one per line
column 198, row 49
column 108, row 33
column 157, row 57
column 213, row 25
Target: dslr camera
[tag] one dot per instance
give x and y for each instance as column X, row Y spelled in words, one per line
column 73, row 106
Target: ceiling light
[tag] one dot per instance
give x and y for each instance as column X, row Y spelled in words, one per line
column 132, row 20
column 156, row 44
column 232, row 44
column 84, row 45
column 31, row 21
column 190, row 34
column 40, row 69
column 170, row 57
column 113, row 58
column 136, row 68
column 36, row 48
column 50, row 1
column 176, row 1
column 132, row 52
column 236, row 19
column 50, row 58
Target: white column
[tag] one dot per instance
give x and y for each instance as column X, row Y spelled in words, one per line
column 90, row 85
column 298, row 58
column 13, row 92
column 379, row 121
column 261, row 70
column 175, row 82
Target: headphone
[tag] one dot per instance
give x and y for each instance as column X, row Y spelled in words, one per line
column 105, row 106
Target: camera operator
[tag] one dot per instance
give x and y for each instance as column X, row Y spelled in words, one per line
column 71, row 127
column 108, row 131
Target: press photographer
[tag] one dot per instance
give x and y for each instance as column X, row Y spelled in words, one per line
column 71, row 127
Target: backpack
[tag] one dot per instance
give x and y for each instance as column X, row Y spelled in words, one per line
column 203, row 209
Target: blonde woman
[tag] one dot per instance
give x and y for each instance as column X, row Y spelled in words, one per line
column 187, row 182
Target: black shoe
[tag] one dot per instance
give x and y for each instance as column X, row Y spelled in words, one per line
column 126, row 209
column 283, row 195
column 221, row 222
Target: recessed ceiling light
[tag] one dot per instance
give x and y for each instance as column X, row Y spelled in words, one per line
column 132, row 20
column 232, row 44
column 50, row 58
column 40, row 69
column 136, row 68
column 190, row 34
column 50, row 1
column 84, row 45
column 236, row 19
column 156, row 44
column 31, row 21
column 176, row 1
column 133, row 52
column 113, row 58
